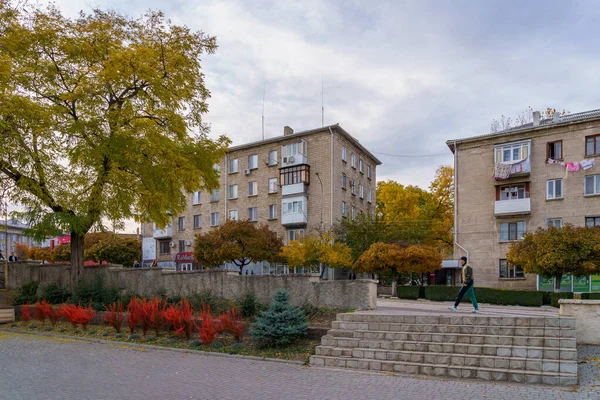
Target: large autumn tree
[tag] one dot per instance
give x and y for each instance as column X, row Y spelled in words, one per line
column 101, row 117
column 313, row 250
column 239, row 243
column 557, row 252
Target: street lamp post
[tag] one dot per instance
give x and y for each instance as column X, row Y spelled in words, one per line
column 5, row 209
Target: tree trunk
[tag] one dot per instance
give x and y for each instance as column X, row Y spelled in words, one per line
column 394, row 283
column 77, row 241
column 557, row 280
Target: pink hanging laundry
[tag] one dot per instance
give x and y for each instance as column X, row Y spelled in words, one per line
column 572, row 167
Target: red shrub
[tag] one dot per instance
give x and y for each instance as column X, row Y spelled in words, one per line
column 77, row 314
column 153, row 314
column 69, row 312
column 210, row 327
column 114, row 316
column 185, row 324
column 25, row 313
column 54, row 316
column 232, row 323
column 135, row 313
column 172, row 316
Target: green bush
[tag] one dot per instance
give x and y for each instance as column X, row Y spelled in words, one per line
column 126, row 298
column 557, row 296
column 590, row 296
column 195, row 343
column 27, row 293
column 55, row 294
column 487, row 295
column 216, row 345
column 547, row 298
column 96, row 293
column 441, row 293
column 249, row 305
column 408, row 292
column 281, row 324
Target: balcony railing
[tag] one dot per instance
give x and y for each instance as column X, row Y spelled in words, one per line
column 296, row 188
column 294, row 219
column 163, row 233
column 512, row 207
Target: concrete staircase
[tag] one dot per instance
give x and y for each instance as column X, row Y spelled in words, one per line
column 517, row 349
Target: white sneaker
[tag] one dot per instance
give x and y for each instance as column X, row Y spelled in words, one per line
column 452, row 308
column 475, row 311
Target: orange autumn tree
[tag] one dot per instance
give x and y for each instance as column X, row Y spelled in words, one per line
column 381, row 258
column 420, row 259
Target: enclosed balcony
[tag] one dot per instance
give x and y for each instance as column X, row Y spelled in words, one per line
column 294, row 211
column 294, row 180
column 512, row 207
column 166, row 233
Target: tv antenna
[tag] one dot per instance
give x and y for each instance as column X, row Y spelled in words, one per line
column 322, row 103
column 263, row 112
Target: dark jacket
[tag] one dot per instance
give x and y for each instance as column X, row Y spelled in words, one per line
column 12, row 258
column 467, row 274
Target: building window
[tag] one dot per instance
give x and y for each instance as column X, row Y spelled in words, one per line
column 361, row 191
column 253, row 161
column 361, row 166
column 253, row 214
column 344, row 181
column 181, row 223
column 353, row 187
column 252, row 189
column 233, row 214
column 592, row 145
column 369, row 171
column 2, row 237
column 295, row 234
column 292, row 149
column 214, row 219
column 554, row 189
column 555, row 222
column 506, row 270
column 353, row 161
column 293, row 207
column 592, row 185
column 592, row 222
column 214, row 195
column 217, row 167
column 197, row 198
column 197, row 221
column 182, row 246
column 273, row 157
column 233, row 166
column 163, row 247
column 344, row 209
column 512, row 192
column 344, row 154
column 293, row 175
column 512, row 231
column 554, row 150
column 511, row 152
column 369, row 196
column 353, row 213
column 273, row 211
column 272, row 185
column 232, row 192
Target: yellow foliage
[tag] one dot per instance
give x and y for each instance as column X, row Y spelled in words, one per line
column 314, row 249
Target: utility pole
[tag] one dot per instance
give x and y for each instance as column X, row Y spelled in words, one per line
column 5, row 209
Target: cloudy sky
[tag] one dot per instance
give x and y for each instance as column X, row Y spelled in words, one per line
column 401, row 76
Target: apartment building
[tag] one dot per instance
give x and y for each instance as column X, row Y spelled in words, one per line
column 507, row 183
column 13, row 233
column 294, row 183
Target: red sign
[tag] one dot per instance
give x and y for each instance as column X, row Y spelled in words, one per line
column 187, row 257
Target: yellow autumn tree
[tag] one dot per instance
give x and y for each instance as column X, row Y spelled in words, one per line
column 381, row 258
column 312, row 250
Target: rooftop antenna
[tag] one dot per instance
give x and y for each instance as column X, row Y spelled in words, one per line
column 322, row 104
column 263, row 112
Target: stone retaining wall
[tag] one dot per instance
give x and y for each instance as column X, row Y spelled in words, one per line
column 587, row 317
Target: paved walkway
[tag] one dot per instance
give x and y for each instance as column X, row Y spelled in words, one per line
column 34, row 367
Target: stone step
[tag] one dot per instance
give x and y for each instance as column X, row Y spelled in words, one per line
column 555, row 353
column 568, row 341
column 522, row 376
column 483, row 361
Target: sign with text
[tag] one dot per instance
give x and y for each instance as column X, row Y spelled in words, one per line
column 186, row 257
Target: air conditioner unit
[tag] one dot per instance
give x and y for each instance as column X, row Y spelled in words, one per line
column 188, row 243
column 285, row 160
column 171, row 244
column 247, row 172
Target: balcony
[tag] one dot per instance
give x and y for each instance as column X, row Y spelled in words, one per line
column 512, row 207
column 294, row 219
column 296, row 188
column 294, row 211
column 295, row 159
column 166, row 233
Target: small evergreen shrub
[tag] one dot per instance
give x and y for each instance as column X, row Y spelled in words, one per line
column 280, row 324
column 151, row 339
column 237, row 346
column 119, row 335
column 216, row 345
column 27, row 293
column 53, row 293
column 134, row 336
column 105, row 334
column 92, row 332
column 195, row 343
column 48, row 328
column 96, row 292
column 249, row 305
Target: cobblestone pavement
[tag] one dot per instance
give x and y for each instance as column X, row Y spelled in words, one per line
column 34, row 367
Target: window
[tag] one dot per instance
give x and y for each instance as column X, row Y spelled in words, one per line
column 253, row 214
column 214, row 219
column 181, row 223
column 361, row 166
column 23, row 239
column 555, row 222
column 295, row 234
column 511, row 152
column 232, row 192
column 591, row 222
column 369, row 196
column 344, row 181
column 217, row 167
column 293, row 207
column 253, row 161
column 361, row 191
column 197, row 221
column 182, row 246
column 344, row 154
column 554, row 189
column 214, row 195
column 164, row 247
column 554, row 150
column 252, row 189
column 233, row 166
column 295, row 148
column 233, row 214
column 293, row 175
column 506, row 270
column 273, row 211
column 591, row 185
column 272, row 185
column 353, row 161
column 344, row 209
column 353, row 187
column 273, row 157
column 592, row 145
column 2, row 237
column 197, row 198
column 369, row 171
column 512, row 192
column 353, row 213
column 512, row 231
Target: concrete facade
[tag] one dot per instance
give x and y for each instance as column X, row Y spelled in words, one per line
column 481, row 212
column 587, row 317
column 322, row 192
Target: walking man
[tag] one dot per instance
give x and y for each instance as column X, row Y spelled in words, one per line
column 467, row 286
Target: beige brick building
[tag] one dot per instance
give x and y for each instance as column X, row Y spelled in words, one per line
column 492, row 212
column 12, row 234
column 294, row 183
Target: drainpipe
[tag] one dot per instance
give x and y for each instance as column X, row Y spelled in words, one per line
column 456, row 202
column 331, row 182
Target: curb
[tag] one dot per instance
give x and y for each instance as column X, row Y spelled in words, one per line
column 155, row 347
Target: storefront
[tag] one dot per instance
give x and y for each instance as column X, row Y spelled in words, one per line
column 568, row 283
column 186, row 262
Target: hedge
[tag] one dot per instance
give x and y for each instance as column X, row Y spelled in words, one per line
column 408, row 292
column 487, row 295
column 560, row 295
column 590, row 296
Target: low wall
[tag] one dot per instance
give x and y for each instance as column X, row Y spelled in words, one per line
column 587, row 319
column 341, row 294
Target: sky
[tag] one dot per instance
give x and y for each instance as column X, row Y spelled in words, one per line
column 400, row 76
